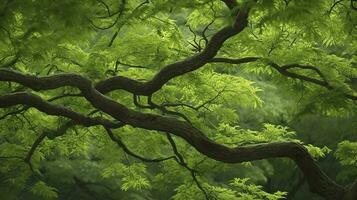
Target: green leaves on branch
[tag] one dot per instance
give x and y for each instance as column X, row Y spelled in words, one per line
column 43, row 190
column 346, row 153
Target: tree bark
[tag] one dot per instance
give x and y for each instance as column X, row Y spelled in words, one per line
column 318, row 181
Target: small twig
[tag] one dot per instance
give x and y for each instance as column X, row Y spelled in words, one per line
column 121, row 144
column 333, row 6
column 50, row 134
column 195, row 44
column 182, row 162
column 196, row 108
column 165, row 111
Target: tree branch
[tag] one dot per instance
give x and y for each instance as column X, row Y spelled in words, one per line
column 182, row 162
column 121, row 144
column 23, row 109
column 318, row 181
column 32, row 100
column 49, row 134
column 284, row 71
column 196, row 108
column 179, row 68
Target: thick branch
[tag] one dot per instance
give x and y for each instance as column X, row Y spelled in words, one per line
column 32, row 100
column 318, row 181
column 235, row 61
column 25, row 108
column 176, row 69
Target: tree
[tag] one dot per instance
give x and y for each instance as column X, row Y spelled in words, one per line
column 75, row 75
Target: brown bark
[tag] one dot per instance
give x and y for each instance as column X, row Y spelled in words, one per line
column 176, row 69
column 318, row 181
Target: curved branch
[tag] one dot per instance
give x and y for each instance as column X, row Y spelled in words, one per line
column 318, row 181
column 119, row 14
column 284, row 71
column 179, row 68
column 121, row 144
column 25, row 108
column 181, row 161
column 197, row 107
column 32, row 100
column 290, row 66
column 49, row 134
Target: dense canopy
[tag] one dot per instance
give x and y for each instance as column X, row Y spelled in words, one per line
column 178, row 99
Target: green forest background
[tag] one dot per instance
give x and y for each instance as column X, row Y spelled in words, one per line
column 243, row 101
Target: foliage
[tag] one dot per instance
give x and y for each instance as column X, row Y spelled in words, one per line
column 235, row 105
column 41, row 189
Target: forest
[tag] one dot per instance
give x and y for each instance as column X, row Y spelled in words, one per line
column 178, row 99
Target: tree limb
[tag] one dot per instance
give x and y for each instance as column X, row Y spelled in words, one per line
column 182, row 162
column 121, row 144
column 179, row 68
column 32, row 100
column 284, row 70
column 318, row 181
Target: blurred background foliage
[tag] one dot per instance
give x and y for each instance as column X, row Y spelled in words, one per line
column 233, row 104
